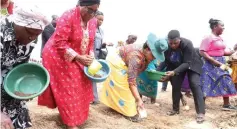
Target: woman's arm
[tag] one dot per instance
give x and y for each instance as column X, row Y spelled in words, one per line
column 209, row 58
column 62, row 33
column 228, row 52
column 134, row 65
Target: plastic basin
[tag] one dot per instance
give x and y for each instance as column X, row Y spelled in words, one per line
column 29, row 79
column 104, row 71
column 154, row 75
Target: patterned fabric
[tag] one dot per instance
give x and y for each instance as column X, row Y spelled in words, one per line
column 69, row 90
column 175, row 57
column 13, row 54
column 70, row 54
column 135, row 60
column 216, row 82
column 234, row 72
column 29, row 17
column 146, row 86
column 116, row 93
column 233, row 60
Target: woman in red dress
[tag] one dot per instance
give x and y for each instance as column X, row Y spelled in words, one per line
column 68, row 50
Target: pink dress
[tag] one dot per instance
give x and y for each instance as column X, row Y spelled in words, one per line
column 70, row 90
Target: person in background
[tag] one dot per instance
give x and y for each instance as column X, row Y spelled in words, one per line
column 17, row 36
column 131, row 39
column 119, row 91
column 98, row 45
column 215, row 79
column 6, row 7
column 233, row 65
column 54, row 20
column 46, row 34
column 181, row 59
column 65, row 55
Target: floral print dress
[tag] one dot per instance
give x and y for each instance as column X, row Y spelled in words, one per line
column 13, row 54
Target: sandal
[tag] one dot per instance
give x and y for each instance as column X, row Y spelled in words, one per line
column 172, row 113
column 200, row 118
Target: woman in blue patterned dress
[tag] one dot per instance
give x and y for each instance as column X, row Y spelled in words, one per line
column 146, row 86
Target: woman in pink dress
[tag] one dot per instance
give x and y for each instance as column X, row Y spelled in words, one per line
column 68, row 50
column 215, row 78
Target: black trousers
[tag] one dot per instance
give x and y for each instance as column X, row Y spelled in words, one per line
column 194, row 83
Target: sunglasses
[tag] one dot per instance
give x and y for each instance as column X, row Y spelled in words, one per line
column 91, row 11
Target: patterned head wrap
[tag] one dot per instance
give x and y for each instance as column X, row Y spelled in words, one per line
column 29, row 17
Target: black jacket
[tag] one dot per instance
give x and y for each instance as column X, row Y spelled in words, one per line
column 190, row 59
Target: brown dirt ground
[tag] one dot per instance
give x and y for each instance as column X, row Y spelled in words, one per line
column 102, row 117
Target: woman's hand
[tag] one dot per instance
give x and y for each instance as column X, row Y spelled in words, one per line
column 140, row 103
column 6, row 122
column 85, row 60
column 167, row 76
column 170, row 73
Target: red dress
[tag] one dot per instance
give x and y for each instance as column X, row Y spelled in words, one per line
column 70, row 90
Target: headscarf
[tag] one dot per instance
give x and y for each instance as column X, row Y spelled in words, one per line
column 88, row 2
column 29, row 17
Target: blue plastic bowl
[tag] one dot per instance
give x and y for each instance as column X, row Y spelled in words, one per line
column 106, row 71
column 27, row 78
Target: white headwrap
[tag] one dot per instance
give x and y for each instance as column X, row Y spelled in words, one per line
column 29, row 17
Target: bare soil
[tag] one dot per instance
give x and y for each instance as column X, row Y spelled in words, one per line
column 102, row 117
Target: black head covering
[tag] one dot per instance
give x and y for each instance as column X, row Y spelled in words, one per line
column 173, row 34
column 99, row 13
column 87, row 2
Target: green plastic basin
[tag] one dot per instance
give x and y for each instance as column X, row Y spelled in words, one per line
column 154, row 75
column 29, row 79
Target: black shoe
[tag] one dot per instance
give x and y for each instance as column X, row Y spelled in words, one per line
column 172, row 113
column 229, row 108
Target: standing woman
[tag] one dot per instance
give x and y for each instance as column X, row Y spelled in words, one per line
column 215, row 79
column 17, row 34
column 65, row 54
column 99, row 44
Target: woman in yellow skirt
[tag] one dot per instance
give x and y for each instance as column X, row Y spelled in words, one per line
column 119, row 91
